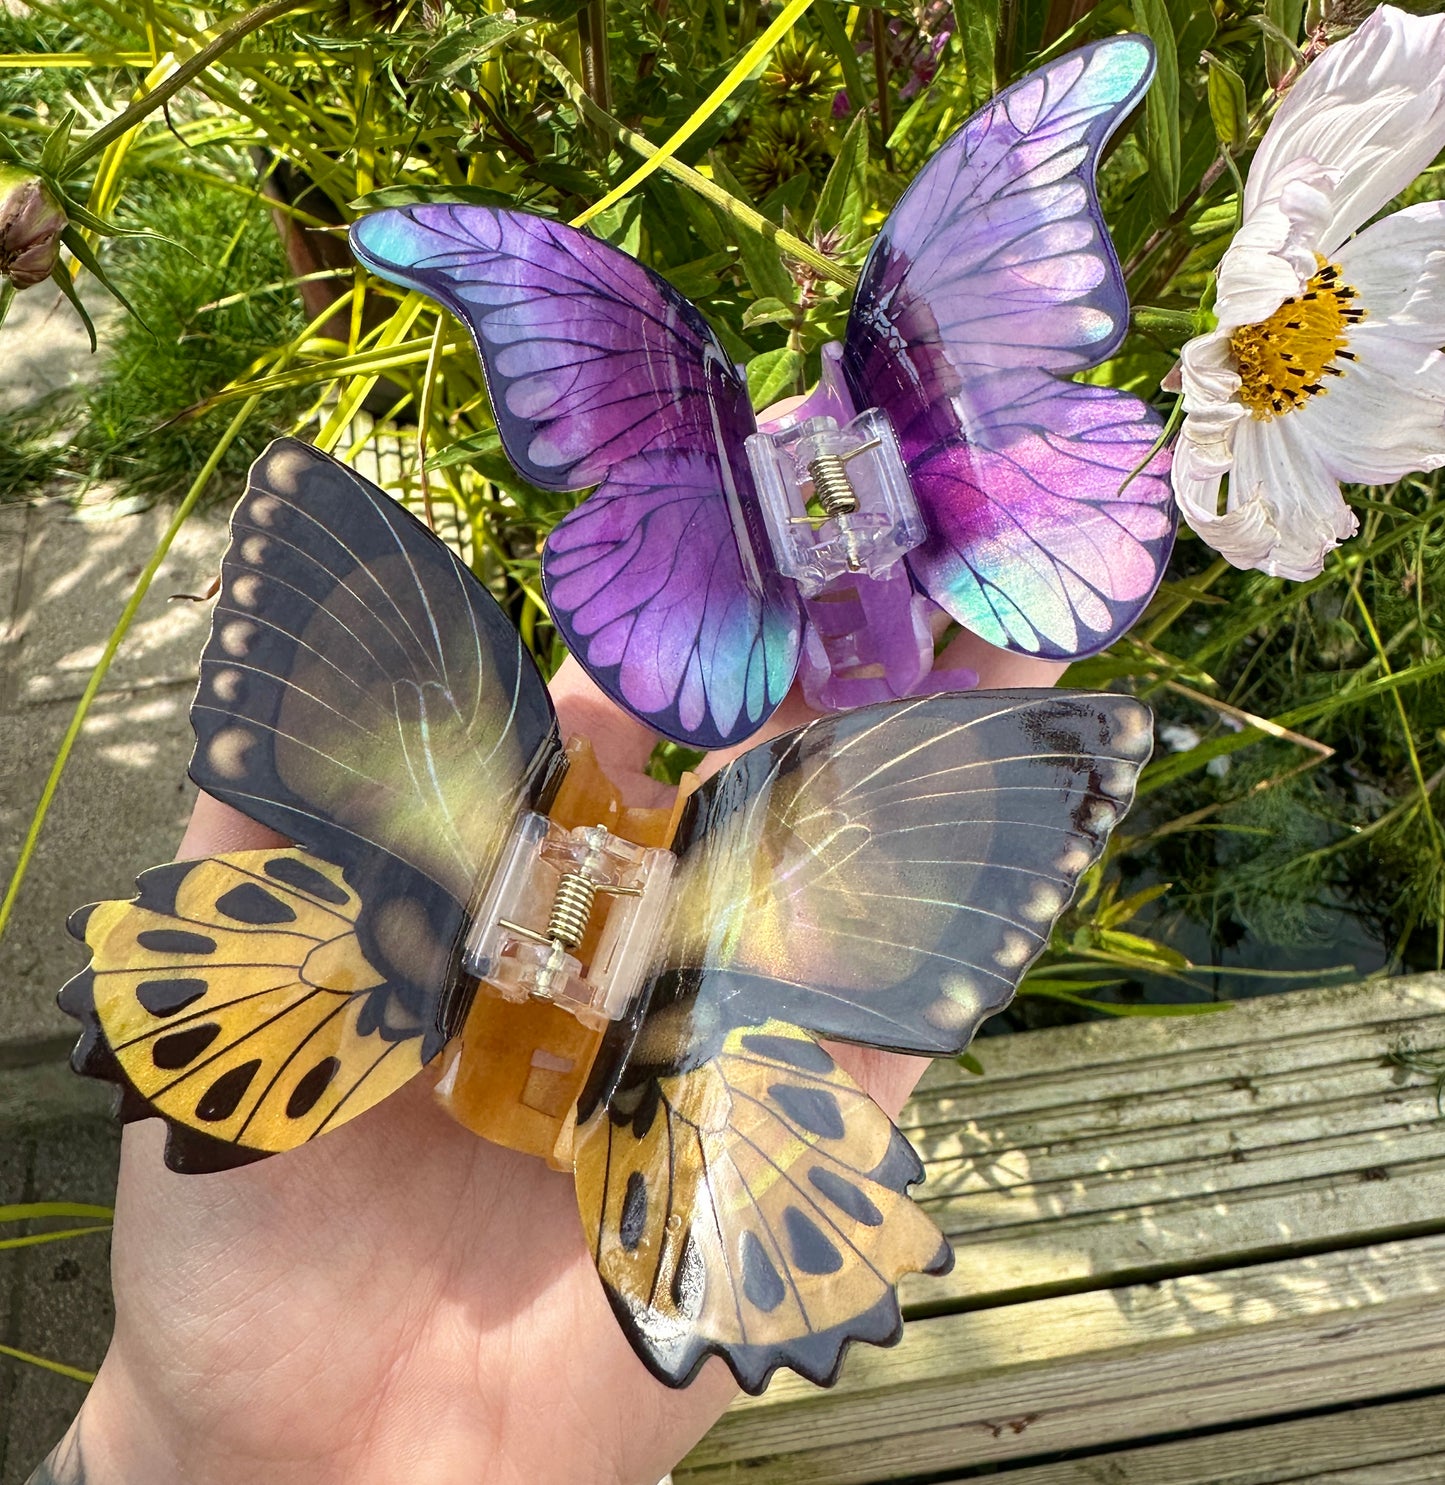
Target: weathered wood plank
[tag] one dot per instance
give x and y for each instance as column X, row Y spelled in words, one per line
column 1276, row 1128
column 1091, row 1050
column 1099, row 1368
column 1400, row 1443
column 1247, row 1164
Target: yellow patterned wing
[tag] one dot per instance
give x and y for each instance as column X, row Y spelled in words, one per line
column 233, row 998
column 754, row 1206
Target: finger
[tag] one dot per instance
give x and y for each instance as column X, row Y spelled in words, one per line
column 998, row 669
column 622, row 744
column 215, row 828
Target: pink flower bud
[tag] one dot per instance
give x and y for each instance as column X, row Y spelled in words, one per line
column 31, row 221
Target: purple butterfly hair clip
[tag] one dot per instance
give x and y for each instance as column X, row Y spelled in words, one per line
column 945, row 462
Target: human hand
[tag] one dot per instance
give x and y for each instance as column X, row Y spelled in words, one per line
column 399, row 1300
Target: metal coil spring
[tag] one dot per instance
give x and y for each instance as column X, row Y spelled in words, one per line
column 831, row 485
column 571, row 910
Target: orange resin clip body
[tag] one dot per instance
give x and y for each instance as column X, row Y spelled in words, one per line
column 516, row 1071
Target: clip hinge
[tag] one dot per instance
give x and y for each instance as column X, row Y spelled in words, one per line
column 553, row 876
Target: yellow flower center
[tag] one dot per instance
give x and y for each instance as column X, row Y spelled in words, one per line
column 1283, row 359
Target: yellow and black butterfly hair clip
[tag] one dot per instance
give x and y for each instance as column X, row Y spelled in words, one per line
column 647, row 1016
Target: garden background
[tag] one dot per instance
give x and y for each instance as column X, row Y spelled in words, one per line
column 1289, row 826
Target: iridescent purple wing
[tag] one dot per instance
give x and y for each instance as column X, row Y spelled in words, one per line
column 652, row 592
column 600, row 371
column 991, row 283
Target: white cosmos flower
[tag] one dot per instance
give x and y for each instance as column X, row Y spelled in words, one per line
column 1325, row 364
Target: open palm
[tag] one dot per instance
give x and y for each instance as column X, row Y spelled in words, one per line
column 400, row 1300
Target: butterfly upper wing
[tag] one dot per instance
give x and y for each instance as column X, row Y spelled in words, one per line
column 361, row 692
column 993, row 279
column 887, row 875
column 600, row 371
column 364, row 696
column 882, row 876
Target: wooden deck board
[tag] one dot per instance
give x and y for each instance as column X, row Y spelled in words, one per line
column 1397, row 1443
column 1160, row 1227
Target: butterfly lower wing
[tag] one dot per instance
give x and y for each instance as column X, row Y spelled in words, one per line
column 651, row 591
column 992, row 281
column 361, row 692
column 1050, row 535
column 886, row 876
column 233, row 998
column 751, row 1205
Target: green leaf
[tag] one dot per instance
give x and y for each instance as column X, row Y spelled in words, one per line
column 700, row 278
column 830, row 22
column 786, row 198
column 463, row 49
column 844, row 197
column 769, row 312
column 1135, row 949
column 1161, row 107
column 31, row 1211
column 1127, row 907
column 969, row 1063
column 57, row 145
column 82, row 250
column 774, row 374
column 563, row 177
column 621, row 224
column 61, row 278
column 1228, row 104
column 704, row 220
column 977, row 22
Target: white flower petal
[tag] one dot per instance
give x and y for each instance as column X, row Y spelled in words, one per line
column 1397, row 268
column 1284, row 510
column 1371, row 108
column 1385, row 418
column 1207, row 372
column 1275, row 463
column 1272, row 256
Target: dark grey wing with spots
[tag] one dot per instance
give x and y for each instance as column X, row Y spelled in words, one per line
column 885, row 877
column 362, row 694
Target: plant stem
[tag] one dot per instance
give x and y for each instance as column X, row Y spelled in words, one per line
column 737, row 75
column 880, row 79
column 596, row 69
column 124, row 122
column 786, row 242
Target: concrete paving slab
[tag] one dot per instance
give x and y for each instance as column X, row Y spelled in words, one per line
column 55, row 1296
column 121, row 807
column 76, row 578
column 60, row 1292
column 124, row 797
column 13, row 521
column 57, row 353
